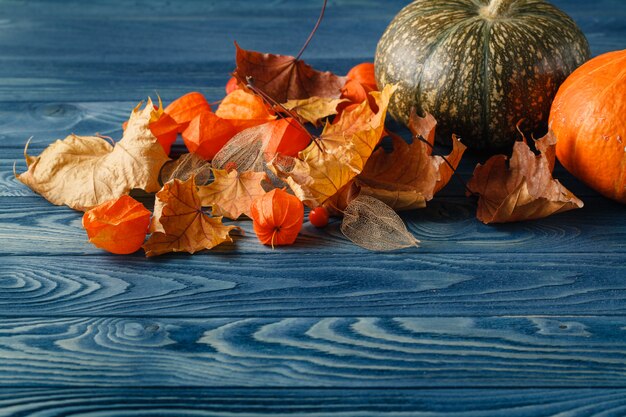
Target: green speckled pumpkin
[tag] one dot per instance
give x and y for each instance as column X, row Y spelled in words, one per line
column 479, row 66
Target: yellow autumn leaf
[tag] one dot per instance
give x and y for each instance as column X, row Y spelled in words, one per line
column 184, row 226
column 85, row 171
column 231, row 193
column 314, row 109
column 324, row 168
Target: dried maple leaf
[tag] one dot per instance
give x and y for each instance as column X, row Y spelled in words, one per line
column 523, row 190
column 409, row 176
column 318, row 177
column 319, row 174
column 286, row 78
column 231, row 193
column 184, row 226
column 359, row 128
column 314, row 109
column 373, row 225
column 85, row 171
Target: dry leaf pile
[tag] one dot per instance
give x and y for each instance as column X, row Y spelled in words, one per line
column 255, row 155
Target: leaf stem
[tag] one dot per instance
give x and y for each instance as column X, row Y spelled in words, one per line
column 317, row 25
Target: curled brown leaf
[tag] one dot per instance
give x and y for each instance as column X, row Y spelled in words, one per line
column 523, row 190
column 410, row 175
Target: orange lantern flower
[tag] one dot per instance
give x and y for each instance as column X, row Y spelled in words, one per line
column 277, row 217
column 118, row 226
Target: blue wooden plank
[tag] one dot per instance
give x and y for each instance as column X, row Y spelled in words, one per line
column 303, row 284
column 166, row 402
column 125, row 51
column 408, row 352
column 32, row 226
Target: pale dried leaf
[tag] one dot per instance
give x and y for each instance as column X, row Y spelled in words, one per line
column 232, row 193
column 85, row 171
column 373, row 225
column 186, row 166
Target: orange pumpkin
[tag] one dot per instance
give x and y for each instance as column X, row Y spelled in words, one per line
column 277, row 217
column 588, row 117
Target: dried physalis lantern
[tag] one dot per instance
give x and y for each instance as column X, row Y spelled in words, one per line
column 277, row 217
column 118, row 226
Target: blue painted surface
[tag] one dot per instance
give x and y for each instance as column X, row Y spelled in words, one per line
column 517, row 320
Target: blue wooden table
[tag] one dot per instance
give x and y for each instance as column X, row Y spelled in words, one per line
column 526, row 319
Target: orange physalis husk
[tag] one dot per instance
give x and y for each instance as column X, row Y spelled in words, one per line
column 207, row 134
column 118, row 226
column 364, row 74
column 232, row 85
column 360, row 82
column 244, row 110
column 165, row 129
column 287, row 138
column 186, row 107
column 277, row 217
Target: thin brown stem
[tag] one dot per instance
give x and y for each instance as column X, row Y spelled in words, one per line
column 273, row 103
column 317, row 25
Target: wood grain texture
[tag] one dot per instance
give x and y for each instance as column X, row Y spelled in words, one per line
column 538, row 304
column 32, row 226
column 124, row 51
column 166, row 402
column 408, row 352
column 299, row 284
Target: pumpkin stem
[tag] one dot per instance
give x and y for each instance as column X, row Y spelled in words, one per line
column 496, row 9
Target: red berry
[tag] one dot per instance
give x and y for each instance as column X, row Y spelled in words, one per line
column 319, row 217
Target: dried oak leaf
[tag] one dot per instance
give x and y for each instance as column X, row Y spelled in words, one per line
column 286, row 78
column 232, row 193
column 523, row 190
column 85, row 171
column 314, row 109
column 410, row 175
column 373, row 225
column 318, row 174
column 184, row 227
